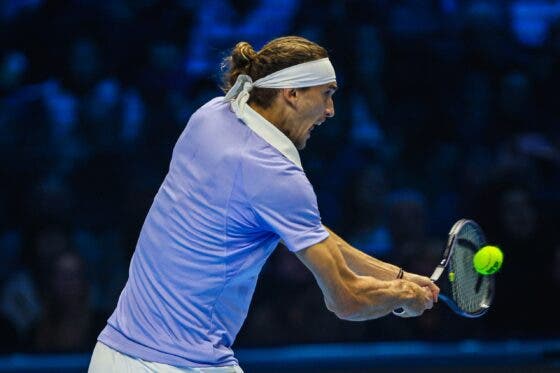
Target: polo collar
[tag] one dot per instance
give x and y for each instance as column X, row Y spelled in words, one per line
column 271, row 134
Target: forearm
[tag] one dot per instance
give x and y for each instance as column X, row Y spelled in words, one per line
column 351, row 296
column 377, row 298
column 363, row 264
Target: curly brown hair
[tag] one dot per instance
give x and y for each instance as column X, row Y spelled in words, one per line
column 276, row 55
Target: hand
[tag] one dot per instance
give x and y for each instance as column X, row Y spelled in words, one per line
column 418, row 299
column 424, row 282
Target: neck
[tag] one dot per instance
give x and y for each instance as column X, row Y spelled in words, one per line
column 272, row 114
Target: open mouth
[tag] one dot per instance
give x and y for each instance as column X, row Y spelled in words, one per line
column 316, row 124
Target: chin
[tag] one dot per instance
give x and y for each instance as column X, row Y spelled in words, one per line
column 301, row 145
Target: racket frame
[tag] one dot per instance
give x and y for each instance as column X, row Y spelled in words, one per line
column 442, row 266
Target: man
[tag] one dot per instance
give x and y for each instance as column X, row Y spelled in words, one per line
column 235, row 188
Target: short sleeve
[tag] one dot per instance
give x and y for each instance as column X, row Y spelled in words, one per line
column 284, row 201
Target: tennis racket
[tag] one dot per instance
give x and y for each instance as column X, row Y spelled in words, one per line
column 462, row 288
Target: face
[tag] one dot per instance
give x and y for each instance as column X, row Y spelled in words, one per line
column 314, row 106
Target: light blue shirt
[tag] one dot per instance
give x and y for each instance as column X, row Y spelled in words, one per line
column 227, row 200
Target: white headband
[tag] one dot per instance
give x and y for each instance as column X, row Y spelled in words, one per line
column 307, row 74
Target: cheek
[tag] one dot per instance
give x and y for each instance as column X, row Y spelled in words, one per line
column 317, row 109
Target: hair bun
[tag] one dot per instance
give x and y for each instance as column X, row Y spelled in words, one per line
column 243, row 54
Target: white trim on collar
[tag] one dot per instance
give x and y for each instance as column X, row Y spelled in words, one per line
column 271, row 134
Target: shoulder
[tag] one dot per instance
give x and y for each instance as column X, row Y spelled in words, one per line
column 266, row 169
column 216, row 106
column 213, row 125
column 275, row 184
column 284, row 201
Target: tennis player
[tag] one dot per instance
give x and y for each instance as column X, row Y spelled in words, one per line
column 234, row 189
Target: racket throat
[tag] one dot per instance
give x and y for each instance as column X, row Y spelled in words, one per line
column 437, row 273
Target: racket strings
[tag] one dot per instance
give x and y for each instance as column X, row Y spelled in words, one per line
column 469, row 289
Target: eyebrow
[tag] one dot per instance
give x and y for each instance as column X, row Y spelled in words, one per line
column 333, row 87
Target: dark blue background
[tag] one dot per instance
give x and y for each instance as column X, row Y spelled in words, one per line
column 446, row 109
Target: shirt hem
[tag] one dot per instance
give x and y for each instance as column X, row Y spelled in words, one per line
column 114, row 339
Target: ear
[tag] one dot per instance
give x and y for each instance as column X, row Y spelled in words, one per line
column 290, row 96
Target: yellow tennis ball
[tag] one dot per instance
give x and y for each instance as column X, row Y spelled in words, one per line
column 488, row 260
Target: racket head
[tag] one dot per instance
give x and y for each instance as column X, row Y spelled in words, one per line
column 467, row 292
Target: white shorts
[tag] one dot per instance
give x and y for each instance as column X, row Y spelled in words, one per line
column 107, row 360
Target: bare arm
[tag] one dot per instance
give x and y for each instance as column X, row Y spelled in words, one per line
column 366, row 265
column 354, row 297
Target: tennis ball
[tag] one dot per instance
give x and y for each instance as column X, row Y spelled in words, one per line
column 488, row 260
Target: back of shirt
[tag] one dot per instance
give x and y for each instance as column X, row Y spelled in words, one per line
column 226, row 201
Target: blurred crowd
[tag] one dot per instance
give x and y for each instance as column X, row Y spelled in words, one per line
column 446, row 109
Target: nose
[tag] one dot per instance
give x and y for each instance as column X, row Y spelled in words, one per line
column 329, row 110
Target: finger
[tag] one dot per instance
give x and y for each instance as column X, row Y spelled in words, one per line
column 431, row 292
column 435, row 291
column 430, row 304
column 429, row 299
